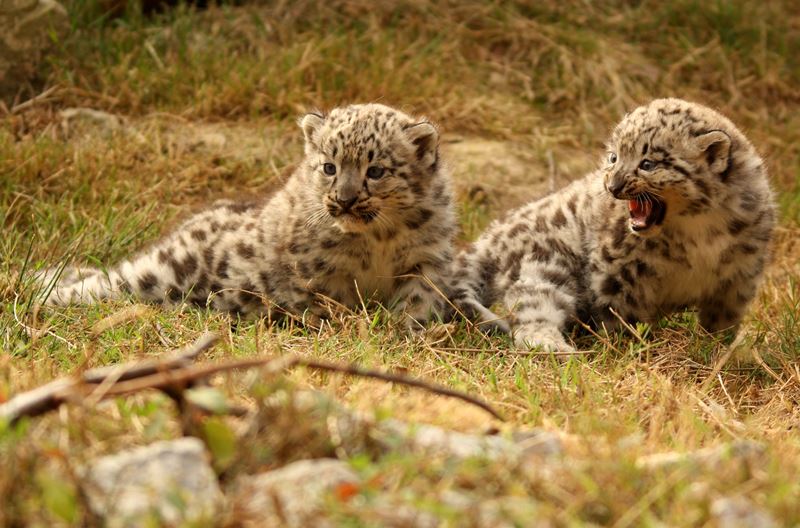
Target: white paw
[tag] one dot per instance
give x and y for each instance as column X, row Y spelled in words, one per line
column 417, row 316
column 414, row 327
column 542, row 340
column 497, row 325
column 489, row 321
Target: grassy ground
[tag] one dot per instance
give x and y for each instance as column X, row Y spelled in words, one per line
column 209, row 99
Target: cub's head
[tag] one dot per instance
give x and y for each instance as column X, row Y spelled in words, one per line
column 370, row 164
column 673, row 158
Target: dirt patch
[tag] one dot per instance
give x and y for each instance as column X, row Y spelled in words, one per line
column 510, row 173
column 251, row 142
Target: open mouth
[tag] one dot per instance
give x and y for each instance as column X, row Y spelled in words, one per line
column 646, row 211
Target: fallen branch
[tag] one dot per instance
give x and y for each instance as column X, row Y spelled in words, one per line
column 355, row 370
column 185, row 376
column 50, row 396
column 176, row 373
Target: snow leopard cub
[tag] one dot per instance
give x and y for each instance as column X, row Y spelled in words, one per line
column 368, row 215
column 679, row 215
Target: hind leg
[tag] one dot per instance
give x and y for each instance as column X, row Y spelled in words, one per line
column 463, row 292
column 724, row 310
column 543, row 302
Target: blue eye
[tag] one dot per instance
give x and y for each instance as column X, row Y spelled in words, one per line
column 374, row 173
column 612, row 158
column 647, row 165
column 329, row 168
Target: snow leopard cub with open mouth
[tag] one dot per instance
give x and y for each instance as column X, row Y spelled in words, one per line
column 368, row 215
column 679, row 215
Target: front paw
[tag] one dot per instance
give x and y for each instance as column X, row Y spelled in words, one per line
column 717, row 321
column 417, row 314
column 544, row 340
column 485, row 319
column 414, row 325
column 497, row 326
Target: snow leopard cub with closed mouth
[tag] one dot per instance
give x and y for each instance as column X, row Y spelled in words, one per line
column 368, row 215
column 679, row 215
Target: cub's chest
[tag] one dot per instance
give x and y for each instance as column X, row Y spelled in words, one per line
column 379, row 269
column 372, row 267
column 692, row 266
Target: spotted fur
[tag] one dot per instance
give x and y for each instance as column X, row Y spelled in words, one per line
column 576, row 255
column 367, row 215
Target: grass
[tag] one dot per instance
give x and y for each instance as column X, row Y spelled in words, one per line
column 549, row 79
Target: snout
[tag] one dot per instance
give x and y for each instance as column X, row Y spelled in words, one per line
column 345, row 203
column 615, row 185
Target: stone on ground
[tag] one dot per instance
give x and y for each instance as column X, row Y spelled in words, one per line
column 168, row 482
column 294, row 495
column 739, row 512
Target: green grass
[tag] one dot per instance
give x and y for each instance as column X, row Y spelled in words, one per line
column 549, row 79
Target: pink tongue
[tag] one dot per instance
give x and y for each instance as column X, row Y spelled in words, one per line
column 640, row 210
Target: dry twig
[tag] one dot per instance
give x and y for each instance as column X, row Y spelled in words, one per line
column 175, row 374
column 51, row 395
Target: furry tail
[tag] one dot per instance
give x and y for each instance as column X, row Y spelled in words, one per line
column 61, row 286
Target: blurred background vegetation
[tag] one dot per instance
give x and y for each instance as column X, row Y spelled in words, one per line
column 565, row 70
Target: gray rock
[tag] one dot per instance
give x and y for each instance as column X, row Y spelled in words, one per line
column 435, row 441
column 738, row 512
column 27, row 30
column 169, row 481
column 83, row 121
column 293, row 495
column 708, row 458
column 538, row 442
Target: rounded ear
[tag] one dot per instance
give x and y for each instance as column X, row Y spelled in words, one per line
column 311, row 123
column 425, row 137
column 717, row 148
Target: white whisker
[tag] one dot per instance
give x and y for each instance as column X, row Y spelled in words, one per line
column 316, row 217
column 383, row 221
